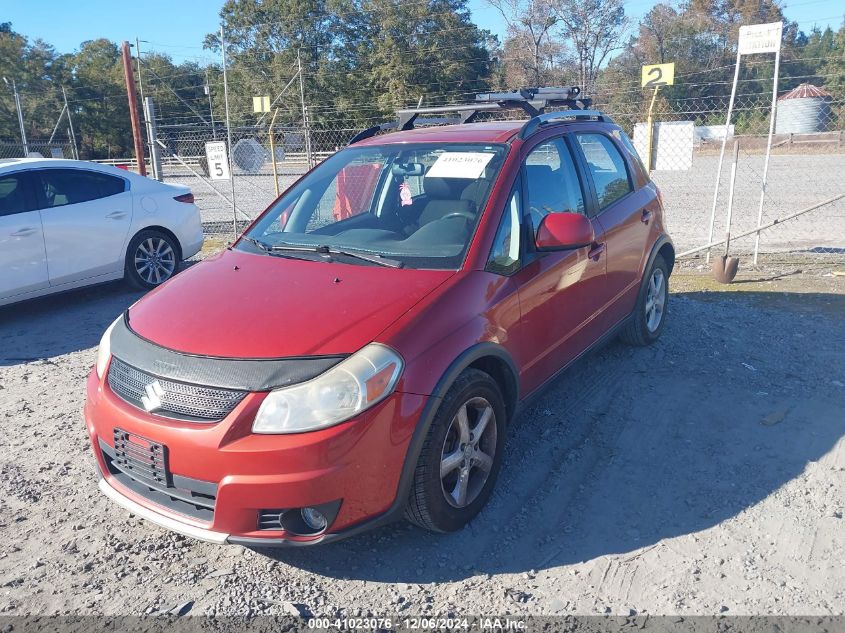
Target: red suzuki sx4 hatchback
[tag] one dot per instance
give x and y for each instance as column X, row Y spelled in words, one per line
column 359, row 353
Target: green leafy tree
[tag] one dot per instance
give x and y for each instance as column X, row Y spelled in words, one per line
column 34, row 68
column 360, row 58
column 99, row 106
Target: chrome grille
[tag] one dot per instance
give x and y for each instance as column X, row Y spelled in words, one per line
column 178, row 400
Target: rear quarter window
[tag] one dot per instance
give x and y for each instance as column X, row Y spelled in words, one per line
column 641, row 175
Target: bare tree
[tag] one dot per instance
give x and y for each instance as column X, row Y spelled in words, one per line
column 529, row 28
column 595, row 28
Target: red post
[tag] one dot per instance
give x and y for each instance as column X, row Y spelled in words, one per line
column 133, row 107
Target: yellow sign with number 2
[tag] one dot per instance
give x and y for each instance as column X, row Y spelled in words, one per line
column 658, row 75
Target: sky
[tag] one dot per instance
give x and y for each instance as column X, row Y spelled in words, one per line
column 178, row 27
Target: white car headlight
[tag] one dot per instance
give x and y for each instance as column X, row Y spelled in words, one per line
column 350, row 387
column 104, row 351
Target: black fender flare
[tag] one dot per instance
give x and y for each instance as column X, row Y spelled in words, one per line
column 464, row 360
column 659, row 243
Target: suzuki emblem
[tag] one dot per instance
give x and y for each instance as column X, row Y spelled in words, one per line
column 152, row 400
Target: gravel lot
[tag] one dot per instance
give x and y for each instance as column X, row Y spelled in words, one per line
column 704, row 475
column 795, row 181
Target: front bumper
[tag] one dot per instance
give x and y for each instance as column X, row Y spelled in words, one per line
column 164, row 521
column 359, row 462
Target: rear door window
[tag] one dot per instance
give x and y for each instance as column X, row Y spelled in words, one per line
column 60, row 187
column 607, row 167
column 14, row 197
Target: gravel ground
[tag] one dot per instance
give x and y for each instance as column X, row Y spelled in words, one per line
column 703, row 475
column 795, row 181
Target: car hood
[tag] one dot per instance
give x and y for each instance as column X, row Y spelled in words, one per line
column 243, row 305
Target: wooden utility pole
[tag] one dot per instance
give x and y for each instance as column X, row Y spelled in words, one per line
column 133, row 108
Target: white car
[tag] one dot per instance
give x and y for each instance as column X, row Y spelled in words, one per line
column 68, row 223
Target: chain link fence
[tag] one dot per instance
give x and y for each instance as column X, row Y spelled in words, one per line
column 805, row 169
column 255, row 186
column 44, row 149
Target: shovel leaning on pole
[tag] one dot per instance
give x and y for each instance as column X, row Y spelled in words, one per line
column 725, row 267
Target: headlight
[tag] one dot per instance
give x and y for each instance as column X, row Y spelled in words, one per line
column 104, row 351
column 345, row 390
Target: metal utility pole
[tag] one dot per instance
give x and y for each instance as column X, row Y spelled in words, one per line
column 141, row 94
column 304, row 108
column 133, row 108
column 138, row 59
column 70, row 126
column 155, row 154
column 20, row 116
column 210, row 107
column 229, row 131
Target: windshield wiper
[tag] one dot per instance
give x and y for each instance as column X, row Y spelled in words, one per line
column 262, row 245
column 275, row 251
column 322, row 249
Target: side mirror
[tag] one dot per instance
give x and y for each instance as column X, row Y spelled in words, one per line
column 563, row 231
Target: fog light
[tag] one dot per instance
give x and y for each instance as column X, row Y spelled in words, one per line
column 314, row 519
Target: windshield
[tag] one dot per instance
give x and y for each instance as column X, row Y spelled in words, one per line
column 417, row 204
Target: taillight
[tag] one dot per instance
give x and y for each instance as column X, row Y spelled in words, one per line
column 185, row 197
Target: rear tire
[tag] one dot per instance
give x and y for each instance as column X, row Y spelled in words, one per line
column 649, row 317
column 460, row 459
column 151, row 259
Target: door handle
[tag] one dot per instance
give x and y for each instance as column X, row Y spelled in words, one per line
column 116, row 215
column 25, row 232
column 646, row 216
column 596, row 251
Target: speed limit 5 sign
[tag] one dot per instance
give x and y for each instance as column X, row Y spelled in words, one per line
column 218, row 162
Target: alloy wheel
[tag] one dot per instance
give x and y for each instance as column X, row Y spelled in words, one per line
column 655, row 300
column 155, row 260
column 468, row 451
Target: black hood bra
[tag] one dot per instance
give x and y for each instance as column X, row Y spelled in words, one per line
column 246, row 374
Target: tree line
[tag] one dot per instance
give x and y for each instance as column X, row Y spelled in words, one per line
column 361, row 59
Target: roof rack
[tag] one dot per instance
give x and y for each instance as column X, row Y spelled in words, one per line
column 556, row 117
column 533, row 101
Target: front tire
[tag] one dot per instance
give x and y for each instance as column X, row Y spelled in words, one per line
column 151, row 259
column 650, row 312
column 460, row 459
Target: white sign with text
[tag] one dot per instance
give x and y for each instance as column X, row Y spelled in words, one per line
column 459, row 165
column 760, row 38
column 218, row 161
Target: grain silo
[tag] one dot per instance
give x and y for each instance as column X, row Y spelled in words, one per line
column 803, row 110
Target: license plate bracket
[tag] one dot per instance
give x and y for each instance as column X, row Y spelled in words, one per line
column 141, row 457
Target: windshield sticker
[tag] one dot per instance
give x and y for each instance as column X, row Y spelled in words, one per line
column 459, row 165
column 405, row 196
